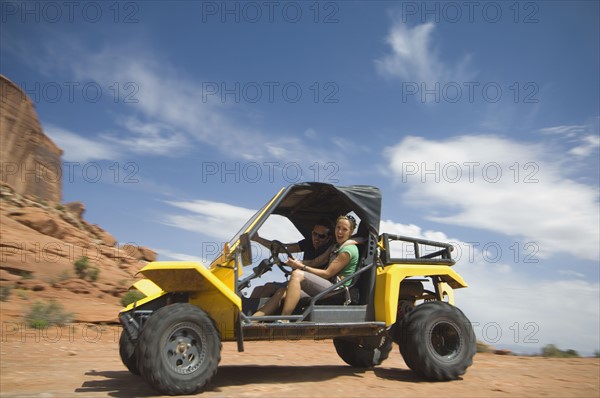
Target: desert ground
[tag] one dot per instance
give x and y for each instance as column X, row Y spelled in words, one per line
column 82, row 360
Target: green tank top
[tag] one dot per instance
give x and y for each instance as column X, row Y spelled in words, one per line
column 350, row 268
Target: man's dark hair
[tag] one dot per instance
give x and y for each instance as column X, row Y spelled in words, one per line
column 327, row 224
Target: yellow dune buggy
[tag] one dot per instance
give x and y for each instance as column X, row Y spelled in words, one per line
column 402, row 292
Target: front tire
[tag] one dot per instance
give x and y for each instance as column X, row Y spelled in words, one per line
column 363, row 352
column 127, row 352
column 437, row 341
column 179, row 349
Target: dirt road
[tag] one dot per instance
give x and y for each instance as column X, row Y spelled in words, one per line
column 83, row 361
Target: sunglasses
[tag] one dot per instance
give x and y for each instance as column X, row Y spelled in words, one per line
column 349, row 217
column 320, row 236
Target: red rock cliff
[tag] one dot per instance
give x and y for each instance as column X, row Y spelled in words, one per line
column 42, row 239
column 29, row 161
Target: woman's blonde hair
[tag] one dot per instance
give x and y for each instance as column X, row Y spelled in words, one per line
column 350, row 219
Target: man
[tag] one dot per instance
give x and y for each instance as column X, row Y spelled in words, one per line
column 316, row 253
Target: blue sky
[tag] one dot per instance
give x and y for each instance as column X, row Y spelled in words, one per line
column 478, row 120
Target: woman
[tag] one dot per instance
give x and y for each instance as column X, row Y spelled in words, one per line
column 308, row 281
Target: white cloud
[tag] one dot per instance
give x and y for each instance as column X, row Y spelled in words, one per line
column 414, row 231
column 584, row 137
column 79, row 149
column 281, row 229
column 571, row 273
column 152, row 138
column 350, row 146
column 163, row 99
column 136, row 137
column 170, row 255
column 218, row 220
column 509, row 308
column 221, row 221
column 166, row 110
column 589, row 144
column 568, row 130
column 413, row 57
column 500, row 185
column 310, row 133
column 175, row 111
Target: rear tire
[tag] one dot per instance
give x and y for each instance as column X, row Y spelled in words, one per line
column 437, row 341
column 363, row 352
column 179, row 349
column 127, row 352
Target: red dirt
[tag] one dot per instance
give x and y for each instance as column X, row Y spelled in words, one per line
column 83, row 361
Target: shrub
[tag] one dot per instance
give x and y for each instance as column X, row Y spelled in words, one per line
column 64, row 275
column 26, row 275
column 131, row 296
column 43, row 315
column 93, row 273
column 482, row 347
column 84, row 271
column 81, row 267
column 5, row 292
column 552, row 351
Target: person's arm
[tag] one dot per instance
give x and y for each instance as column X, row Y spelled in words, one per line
column 321, row 260
column 356, row 240
column 292, row 247
column 334, row 268
column 260, row 240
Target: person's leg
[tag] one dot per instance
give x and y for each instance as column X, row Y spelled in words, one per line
column 302, row 284
column 271, row 306
column 313, row 284
column 258, row 291
column 294, row 290
column 267, row 290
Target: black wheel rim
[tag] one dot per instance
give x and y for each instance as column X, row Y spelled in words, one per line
column 445, row 340
column 185, row 348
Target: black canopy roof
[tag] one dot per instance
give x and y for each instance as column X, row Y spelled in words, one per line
column 306, row 203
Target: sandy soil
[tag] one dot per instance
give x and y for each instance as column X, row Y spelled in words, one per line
column 83, row 361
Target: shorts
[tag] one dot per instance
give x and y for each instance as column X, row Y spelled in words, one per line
column 313, row 285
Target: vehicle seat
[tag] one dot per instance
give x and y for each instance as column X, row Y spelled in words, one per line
column 348, row 294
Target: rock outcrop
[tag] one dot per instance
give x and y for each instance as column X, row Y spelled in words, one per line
column 29, row 161
column 47, row 249
column 39, row 245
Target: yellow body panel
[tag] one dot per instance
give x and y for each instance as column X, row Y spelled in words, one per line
column 206, row 290
column 183, row 276
column 223, row 270
column 447, row 292
column 387, row 285
column 147, row 287
column 143, row 301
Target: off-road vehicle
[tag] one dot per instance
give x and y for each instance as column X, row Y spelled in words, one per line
column 402, row 292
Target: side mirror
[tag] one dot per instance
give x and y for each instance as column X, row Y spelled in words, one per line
column 245, row 249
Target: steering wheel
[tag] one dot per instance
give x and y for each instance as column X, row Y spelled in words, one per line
column 277, row 248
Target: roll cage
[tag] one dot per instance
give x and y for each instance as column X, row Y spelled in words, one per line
column 304, row 205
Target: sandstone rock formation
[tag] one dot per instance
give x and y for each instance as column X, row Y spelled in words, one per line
column 40, row 244
column 29, row 161
column 41, row 239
